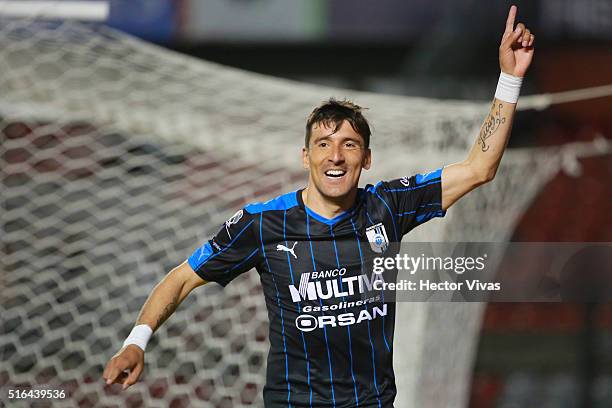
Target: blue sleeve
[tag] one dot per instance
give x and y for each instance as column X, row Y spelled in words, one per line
column 416, row 199
column 231, row 252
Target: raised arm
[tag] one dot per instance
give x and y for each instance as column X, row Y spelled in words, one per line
column 515, row 56
column 161, row 303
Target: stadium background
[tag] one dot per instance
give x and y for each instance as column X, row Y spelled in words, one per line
column 527, row 354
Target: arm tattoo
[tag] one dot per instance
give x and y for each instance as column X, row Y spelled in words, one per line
column 168, row 310
column 490, row 126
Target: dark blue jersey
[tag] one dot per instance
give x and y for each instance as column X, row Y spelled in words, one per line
column 331, row 333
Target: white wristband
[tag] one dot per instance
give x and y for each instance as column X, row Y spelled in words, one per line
column 139, row 336
column 508, row 88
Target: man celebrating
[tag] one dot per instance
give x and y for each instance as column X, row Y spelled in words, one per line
column 331, row 340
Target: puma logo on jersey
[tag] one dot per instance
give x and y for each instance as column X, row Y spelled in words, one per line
column 281, row 247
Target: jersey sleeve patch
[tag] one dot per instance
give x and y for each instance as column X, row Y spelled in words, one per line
column 229, row 253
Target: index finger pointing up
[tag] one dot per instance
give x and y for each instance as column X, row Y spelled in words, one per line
column 510, row 19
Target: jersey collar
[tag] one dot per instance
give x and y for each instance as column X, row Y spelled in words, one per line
column 337, row 218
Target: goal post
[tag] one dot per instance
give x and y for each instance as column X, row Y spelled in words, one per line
column 64, row 10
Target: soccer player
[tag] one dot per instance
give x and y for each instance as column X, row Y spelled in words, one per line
column 331, row 341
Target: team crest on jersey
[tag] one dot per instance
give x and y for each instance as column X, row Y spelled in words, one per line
column 405, row 181
column 233, row 220
column 377, row 236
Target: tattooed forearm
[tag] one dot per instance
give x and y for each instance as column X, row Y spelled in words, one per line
column 168, row 310
column 490, row 126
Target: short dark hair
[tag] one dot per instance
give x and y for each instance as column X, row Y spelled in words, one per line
column 334, row 112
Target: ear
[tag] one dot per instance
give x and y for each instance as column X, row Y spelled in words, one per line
column 367, row 160
column 305, row 158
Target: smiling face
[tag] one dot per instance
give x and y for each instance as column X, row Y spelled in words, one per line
column 335, row 160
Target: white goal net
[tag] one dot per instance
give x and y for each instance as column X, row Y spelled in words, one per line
column 119, row 158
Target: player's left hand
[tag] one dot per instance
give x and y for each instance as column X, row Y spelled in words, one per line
column 516, row 49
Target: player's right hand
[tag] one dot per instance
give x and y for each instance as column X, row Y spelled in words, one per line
column 125, row 367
